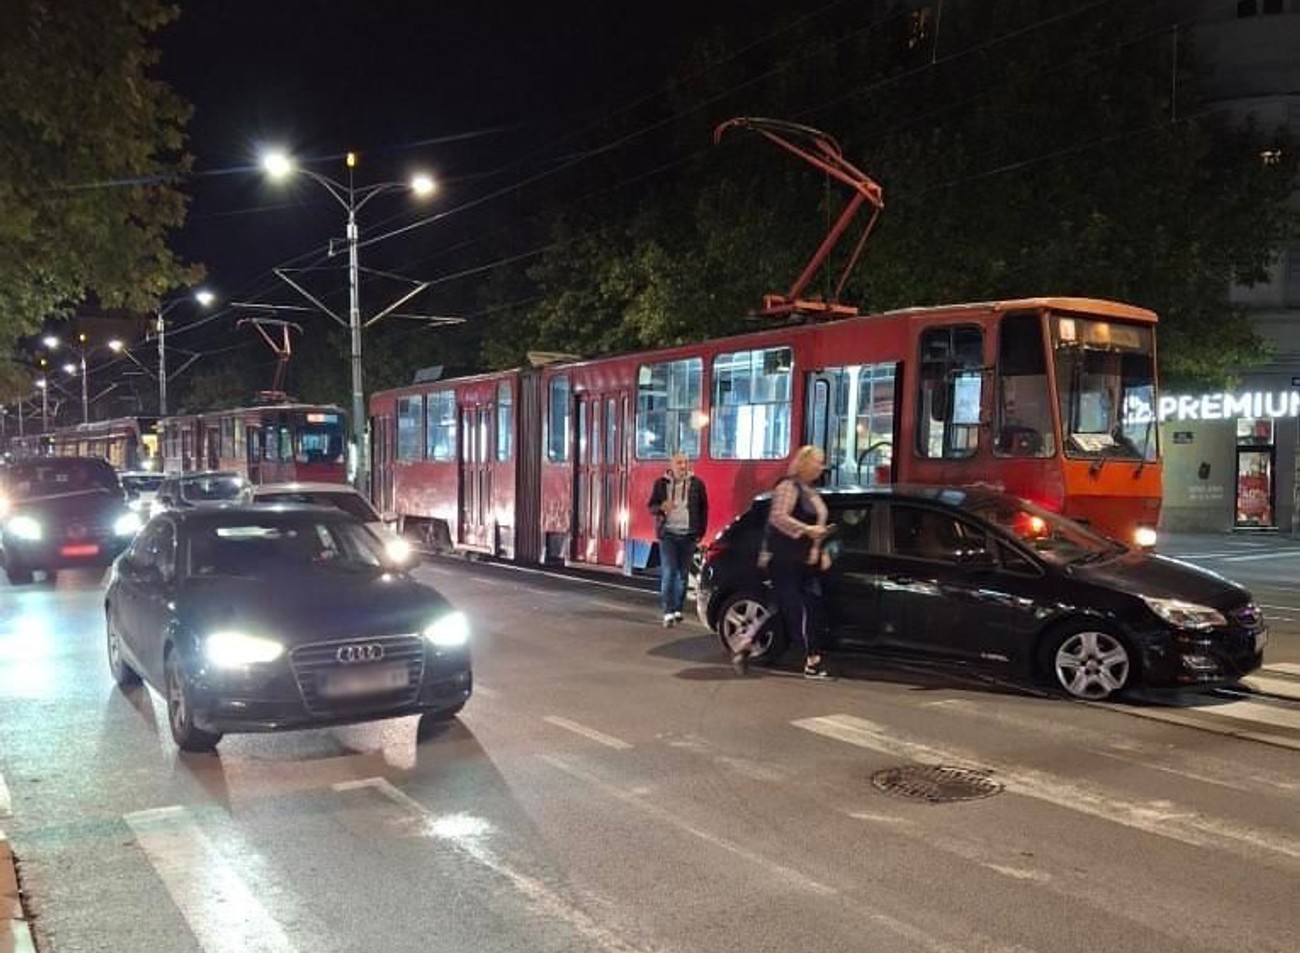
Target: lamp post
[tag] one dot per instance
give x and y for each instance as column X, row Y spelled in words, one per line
column 279, row 166
column 43, row 386
column 204, row 298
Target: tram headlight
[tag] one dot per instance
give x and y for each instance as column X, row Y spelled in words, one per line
column 398, row 550
column 128, row 524
column 25, row 528
column 448, row 631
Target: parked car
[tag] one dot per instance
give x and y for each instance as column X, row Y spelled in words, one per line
column 252, row 618
column 984, row 579
column 209, row 488
column 61, row 513
column 340, row 496
column 141, row 488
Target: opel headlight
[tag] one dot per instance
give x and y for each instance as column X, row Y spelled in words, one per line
column 236, row 649
column 449, row 631
column 24, row 527
column 128, row 524
column 1186, row 615
column 397, row 549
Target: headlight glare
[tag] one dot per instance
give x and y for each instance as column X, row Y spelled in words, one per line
column 397, row 549
column 448, row 631
column 24, row 527
column 237, row 649
column 128, row 524
column 1144, row 537
column 1186, row 615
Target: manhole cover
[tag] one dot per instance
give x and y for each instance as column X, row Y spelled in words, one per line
column 936, row 783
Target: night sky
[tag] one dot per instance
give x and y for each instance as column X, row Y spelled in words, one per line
column 480, row 95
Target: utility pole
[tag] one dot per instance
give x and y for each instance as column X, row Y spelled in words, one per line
column 162, row 365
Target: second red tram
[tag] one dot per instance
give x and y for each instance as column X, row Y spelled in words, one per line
column 1051, row 399
column 271, row 443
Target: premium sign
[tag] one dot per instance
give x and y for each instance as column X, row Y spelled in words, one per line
column 1223, row 406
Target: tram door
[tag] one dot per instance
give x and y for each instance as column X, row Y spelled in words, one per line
column 476, row 476
column 381, row 466
column 600, row 490
column 851, row 417
column 253, row 450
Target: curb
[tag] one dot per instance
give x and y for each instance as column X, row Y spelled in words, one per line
column 15, row 930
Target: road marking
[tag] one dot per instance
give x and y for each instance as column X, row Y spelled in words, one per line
column 1255, row 712
column 6, row 806
column 592, row 734
column 1257, row 557
column 1273, row 686
column 1282, row 668
column 222, row 913
column 1161, row 818
column 467, row 839
column 1266, row 605
column 481, row 689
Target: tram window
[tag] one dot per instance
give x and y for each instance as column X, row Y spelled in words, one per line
column 320, row 438
column 951, row 388
column 505, row 419
column 875, row 423
column 440, row 418
column 669, row 397
column 560, row 420
column 1024, row 404
column 410, row 421
column 750, row 416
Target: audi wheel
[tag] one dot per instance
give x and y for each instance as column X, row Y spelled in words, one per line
column 180, row 709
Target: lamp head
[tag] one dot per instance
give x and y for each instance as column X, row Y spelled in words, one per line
column 423, row 185
column 204, row 297
column 278, row 165
column 50, row 341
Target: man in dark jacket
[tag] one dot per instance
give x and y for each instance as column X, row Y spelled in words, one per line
column 681, row 509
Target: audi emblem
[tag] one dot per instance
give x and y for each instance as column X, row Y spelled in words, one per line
column 355, row 654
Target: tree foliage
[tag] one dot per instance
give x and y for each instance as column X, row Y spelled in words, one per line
column 90, row 149
column 1031, row 148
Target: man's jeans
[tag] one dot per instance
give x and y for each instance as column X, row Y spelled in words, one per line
column 675, row 555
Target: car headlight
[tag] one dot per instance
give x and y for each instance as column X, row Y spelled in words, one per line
column 128, row 524
column 236, row 649
column 1186, row 615
column 397, row 549
column 24, row 527
column 448, row 631
column 1145, row 537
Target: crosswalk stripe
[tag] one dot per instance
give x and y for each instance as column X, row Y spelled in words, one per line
column 599, row 737
column 6, row 806
column 1255, row 712
column 1282, row 668
column 1284, row 687
column 1162, row 818
column 222, row 913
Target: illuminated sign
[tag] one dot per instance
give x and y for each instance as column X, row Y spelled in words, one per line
column 1227, row 406
column 313, row 418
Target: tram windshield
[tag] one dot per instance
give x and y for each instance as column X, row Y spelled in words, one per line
column 320, row 438
column 1105, row 373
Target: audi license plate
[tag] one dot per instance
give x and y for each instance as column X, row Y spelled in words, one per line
column 371, row 680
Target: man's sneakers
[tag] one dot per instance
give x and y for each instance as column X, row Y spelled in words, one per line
column 816, row 671
column 677, row 617
column 670, row 619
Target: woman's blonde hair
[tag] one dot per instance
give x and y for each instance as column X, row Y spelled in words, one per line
column 801, row 457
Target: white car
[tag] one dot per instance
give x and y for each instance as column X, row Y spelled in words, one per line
column 141, row 488
column 340, row 496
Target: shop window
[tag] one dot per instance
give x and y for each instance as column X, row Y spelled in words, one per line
column 951, row 392
column 410, row 423
column 750, row 416
column 440, row 425
column 559, row 421
column 669, row 398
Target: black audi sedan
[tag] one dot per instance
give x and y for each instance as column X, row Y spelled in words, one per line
column 274, row 617
column 983, row 579
column 61, row 513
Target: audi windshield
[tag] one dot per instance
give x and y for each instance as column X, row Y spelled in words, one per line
column 266, row 547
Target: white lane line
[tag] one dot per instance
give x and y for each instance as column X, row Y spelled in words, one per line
column 6, row 805
column 1271, row 554
column 222, row 913
column 1161, row 818
column 639, row 801
column 591, row 734
column 1267, row 605
column 466, row 838
column 1282, row 668
column 481, row 689
column 1274, row 686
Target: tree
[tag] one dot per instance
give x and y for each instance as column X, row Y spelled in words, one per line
column 217, row 388
column 91, row 148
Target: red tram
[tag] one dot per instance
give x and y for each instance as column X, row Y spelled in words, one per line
column 271, row 443
column 128, row 443
column 1051, row 399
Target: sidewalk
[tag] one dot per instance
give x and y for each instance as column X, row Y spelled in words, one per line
column 15, row 931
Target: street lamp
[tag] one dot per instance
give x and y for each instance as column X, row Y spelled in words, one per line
column 279, row 165
column 72, row 369
column 205, row 299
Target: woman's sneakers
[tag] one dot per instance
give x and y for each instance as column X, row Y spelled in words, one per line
column 816, row 670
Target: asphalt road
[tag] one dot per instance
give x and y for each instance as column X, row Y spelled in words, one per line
column 612, row 786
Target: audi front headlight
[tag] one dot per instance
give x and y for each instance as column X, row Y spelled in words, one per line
column 448, row 631
column 236, row 649
column 1186, row 615
column 24, row 527
column 128, row 524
